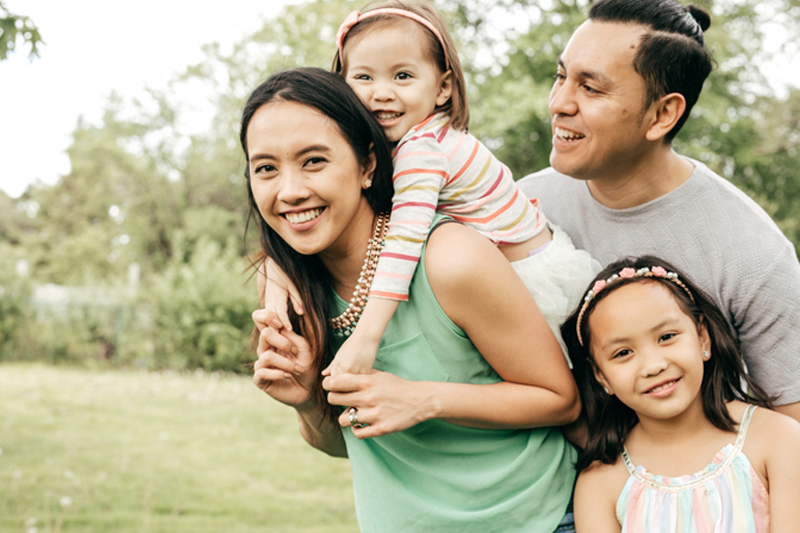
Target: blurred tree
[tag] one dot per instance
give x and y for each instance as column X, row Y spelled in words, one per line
column 13, row 27
column 115, row 206
column 160, row 180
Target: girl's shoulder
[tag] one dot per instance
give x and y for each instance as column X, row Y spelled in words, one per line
column 596, row 493
column 597, row 475
column 765, row 424
column 771, row 436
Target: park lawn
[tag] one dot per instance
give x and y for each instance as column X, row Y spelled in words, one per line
column 134, row 451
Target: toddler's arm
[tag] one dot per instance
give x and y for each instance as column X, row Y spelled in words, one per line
column 417, row 181
column 357, row 354
column 278, row 290
column 420, row 170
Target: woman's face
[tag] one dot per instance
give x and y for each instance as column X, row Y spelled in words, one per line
column 306, row 180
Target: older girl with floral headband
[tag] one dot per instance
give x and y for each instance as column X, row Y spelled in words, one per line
column 675, row 440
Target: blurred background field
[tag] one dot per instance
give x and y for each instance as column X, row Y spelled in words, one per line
column 136, row 451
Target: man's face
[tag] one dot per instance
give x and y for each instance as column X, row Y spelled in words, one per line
column 597, row 104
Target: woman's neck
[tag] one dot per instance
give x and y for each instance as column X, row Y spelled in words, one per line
column 344, row 262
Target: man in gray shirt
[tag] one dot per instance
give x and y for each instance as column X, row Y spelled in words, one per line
column 626, row 82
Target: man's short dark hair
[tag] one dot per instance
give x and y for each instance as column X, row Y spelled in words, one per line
column 672, row 57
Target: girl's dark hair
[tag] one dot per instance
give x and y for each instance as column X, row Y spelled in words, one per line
column 330, row 95
column 672, row 57
column 457, row 107
column 724, row 376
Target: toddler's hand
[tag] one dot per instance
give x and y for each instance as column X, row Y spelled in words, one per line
column 356, row 356
column 278, row 290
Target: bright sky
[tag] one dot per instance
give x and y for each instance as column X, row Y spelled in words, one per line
column 96, row 46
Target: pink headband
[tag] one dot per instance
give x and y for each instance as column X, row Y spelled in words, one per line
column 355, row 17
column 627, row 273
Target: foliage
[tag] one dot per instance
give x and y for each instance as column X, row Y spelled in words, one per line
column 199, row 308
column 16, row 311
column 148, row 192
column 159, row 452
column 12, row 28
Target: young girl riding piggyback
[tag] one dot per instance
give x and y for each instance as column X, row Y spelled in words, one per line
column 400, row 60
column 680, row 438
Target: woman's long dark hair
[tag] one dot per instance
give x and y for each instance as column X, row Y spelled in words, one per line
column 609, row 420
column 330, row 95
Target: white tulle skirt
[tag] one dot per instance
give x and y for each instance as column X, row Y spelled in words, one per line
column 558, row 277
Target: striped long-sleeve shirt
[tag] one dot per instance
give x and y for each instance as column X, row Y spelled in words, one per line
column 437, row 168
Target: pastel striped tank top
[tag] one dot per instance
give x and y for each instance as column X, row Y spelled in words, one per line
column 726, row 496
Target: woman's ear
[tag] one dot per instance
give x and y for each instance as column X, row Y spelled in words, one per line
column 445, row 88
column 368, row 169
column 666, row 112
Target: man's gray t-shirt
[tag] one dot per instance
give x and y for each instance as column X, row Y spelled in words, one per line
column 720, row 238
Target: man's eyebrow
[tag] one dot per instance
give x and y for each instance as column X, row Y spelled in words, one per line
column 589, row 74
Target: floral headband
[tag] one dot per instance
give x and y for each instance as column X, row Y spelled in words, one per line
column 627, row 273
column 355, row 17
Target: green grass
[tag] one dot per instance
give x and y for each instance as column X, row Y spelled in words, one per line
column 127, row 451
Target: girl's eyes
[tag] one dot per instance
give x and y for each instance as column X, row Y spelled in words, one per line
column 621, row 353
column 666, row 336
column 361, row 77
column 403, row 76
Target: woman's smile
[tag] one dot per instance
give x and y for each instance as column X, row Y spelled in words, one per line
column 299, row 217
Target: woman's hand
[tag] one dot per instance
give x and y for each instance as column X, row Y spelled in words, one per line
column 285, row 366
column 384, row 402
column 285, row 370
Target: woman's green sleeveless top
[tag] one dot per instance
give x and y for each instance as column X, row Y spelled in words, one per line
column 438, row 476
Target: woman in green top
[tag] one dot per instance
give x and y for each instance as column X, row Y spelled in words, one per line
column 453, row 429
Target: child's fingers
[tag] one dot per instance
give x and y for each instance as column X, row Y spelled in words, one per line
column 297, row 303
column 276, row 320
column 260, row 318
column 264, row 318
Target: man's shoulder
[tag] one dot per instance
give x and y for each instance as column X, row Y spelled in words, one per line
column 724, row 201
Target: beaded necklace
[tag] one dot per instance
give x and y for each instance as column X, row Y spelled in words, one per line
column 344, row 324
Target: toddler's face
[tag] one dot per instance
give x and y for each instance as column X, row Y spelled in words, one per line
column 392, row 72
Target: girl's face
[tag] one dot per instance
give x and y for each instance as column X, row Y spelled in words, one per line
column 648, row 351
column 306, row 179
column 391, row 70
